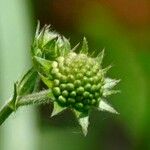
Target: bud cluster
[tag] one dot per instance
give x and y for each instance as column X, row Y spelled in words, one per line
column 77, row 81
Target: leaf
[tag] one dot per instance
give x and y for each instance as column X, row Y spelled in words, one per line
column 42, row 66
column 27, row 83
column 104, row 106
column 85, row 47
column 57, row 109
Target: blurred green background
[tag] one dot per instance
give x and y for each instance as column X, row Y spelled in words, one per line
column 122, row 27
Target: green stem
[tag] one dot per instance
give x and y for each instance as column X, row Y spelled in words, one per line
column 5, row 111
column 36, row 98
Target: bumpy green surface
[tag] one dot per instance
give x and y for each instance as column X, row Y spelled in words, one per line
column 77, row 81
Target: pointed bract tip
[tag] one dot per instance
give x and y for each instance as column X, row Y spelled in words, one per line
column 75, row 47
column 84, row 123
column 85, row 47
column 100, row 56
column 37, row 29
column 104, row 106
column 57, row 109
column 105, row 70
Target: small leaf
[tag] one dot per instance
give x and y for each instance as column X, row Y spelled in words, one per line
column 42, row 65
column 104, row 106
column 57, row 109
column 84, row 46
column 27, row 83
column 84, row 123
column 100, row 56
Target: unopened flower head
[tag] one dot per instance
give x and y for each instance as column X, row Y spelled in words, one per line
column 77, row 80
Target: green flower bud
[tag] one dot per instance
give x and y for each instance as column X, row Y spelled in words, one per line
column 70, row 78
column 86, row 94
column 56, row 91
column 63, row 79
column 62, row 100
column 93, row 101
column 56, row 82
column 63, row 86
column 70, row 87
column 77, row 81
column 65, row 93
column 85, row 80
column 79, row 76
column 94, row 88
column 88, row 87
column 80, row 90
column 79, row 106
column 71, row 100
column 73, row 94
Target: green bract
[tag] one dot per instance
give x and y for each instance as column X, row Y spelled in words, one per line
column 77, row 80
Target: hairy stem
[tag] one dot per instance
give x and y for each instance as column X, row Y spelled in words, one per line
column 36, row 98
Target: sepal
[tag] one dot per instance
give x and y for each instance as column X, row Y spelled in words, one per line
column 57, row 109
column 110, row 83
column 104, row 106
column 83, row 120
